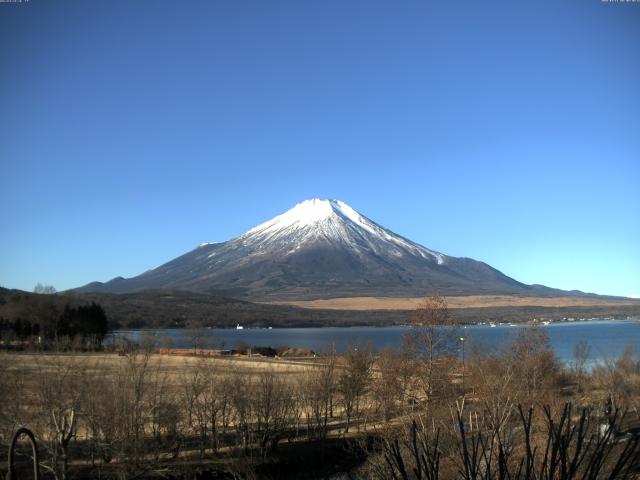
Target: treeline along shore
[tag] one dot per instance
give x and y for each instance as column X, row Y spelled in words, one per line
column 177, row 309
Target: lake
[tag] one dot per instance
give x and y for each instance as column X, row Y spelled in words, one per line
column 606, row 337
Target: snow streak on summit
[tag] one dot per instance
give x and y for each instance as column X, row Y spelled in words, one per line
column 320, row 249
column 333, row 221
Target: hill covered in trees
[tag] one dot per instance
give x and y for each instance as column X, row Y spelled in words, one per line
column 179, row 308
column 50, row 320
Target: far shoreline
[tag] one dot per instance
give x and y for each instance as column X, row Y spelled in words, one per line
column 484, row 323
column 604, row 334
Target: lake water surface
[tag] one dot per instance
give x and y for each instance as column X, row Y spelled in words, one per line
column 606, row 337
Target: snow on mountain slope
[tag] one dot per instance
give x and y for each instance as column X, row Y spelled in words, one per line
column 319, row 249
column 332, row 221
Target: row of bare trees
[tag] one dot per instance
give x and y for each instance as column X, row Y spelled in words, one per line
column 512, row 413
column 529, row 445
column 497, row 415
column 121, row 415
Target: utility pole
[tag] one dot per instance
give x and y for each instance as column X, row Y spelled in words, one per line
column 462, row 339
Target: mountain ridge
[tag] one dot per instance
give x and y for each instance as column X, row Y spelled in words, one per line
column 321, row 249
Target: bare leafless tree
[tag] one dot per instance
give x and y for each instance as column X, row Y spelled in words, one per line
column 61, row 388
column 566, row 446
column 44, row 289
column 392, row 382
column 534, row 364
column 272, row 409
column 197, row 335
column 581, row 355
column 431, row 340
column 354, row 379
column 319, row 385
column 243, row 409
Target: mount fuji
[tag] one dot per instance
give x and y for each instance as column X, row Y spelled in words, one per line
column 321, row 249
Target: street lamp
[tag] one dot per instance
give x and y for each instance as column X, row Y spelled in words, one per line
column 462, row 339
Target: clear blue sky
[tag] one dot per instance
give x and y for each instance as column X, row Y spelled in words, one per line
column 509, row 132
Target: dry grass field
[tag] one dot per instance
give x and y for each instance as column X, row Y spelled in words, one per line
column 470, row 301
column 174, row 366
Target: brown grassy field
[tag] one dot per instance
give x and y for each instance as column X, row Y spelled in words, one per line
column 471, row 301
column 173, row 365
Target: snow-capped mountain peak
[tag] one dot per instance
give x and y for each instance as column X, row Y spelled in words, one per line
column 314, row 212
column 318, row 249
column 303, row 214
column 319, row 220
